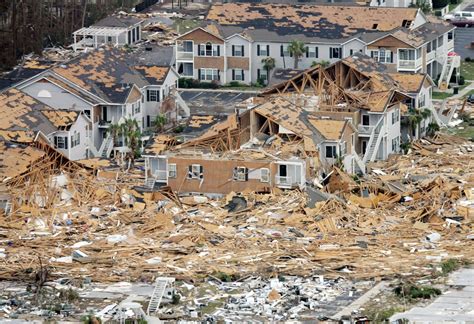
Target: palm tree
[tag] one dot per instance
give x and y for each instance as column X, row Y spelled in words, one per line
column 297, row 49
column 159, row 122
column 414, row 119
column 131, row 132
column 115, row 131
column 268, row 64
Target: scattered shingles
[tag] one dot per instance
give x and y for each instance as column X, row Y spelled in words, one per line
column 153, row 74
column 329, row 21
column 60, row 118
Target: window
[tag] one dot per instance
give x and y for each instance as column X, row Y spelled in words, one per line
column 262, row 74
column 365, row 120
column 60, row 142
column 331, row 151
column 171, row 170
column 240, row 174
column 109, row 39
column 195, row 171
column 421, row 101
column 136, row 107
column 187, row 46
column 263, row 50
column 406, row 23
column 335, row 52
column 395, row 116
column 237, row 50
column 284, row 51
column 466, row 14
column 382, row 56
column 208, row 74
column 450, row 35
column 75, row 139
column 264, row 175
column 440, row 41
column 343, row 148
column 238, row 75
column 428, row 48
column 312, row 51
column 406, row 54
column 152, row 95
column 395, row 144
column 209, row 49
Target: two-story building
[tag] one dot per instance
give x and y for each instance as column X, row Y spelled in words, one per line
column 108, row 89
column 238, row 38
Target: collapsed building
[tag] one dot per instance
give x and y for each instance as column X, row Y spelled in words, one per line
column 347, row 115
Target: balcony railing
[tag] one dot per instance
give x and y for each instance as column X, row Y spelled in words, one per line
column 365, row 129
column 430, row 56
column 284, row 181
column 184, row 56
column 409, row 64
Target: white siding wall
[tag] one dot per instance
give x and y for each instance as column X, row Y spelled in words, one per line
column 393, row 130
column 237, row 40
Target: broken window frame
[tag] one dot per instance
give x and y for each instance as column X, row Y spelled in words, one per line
column 240, row 174
column 195, row 171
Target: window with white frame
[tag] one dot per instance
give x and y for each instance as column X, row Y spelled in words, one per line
column 395, row 144
column 60, row 142
column 237, row 50
column 208, row 74
column 382, row 56
column 263, row 50
column 240, row 174
column 395, row 116
column 343, row 148
column 284, row 50
column 172, row 170
column 331, row 151
column 335, row 52
column 75, row 139
column 421, row 101
column 195, row 171
column 136, row 108
column 262, row 74
column 264, row 175
column 209, row 49
column 153, row 95
column 312, row 51
column 238, row 75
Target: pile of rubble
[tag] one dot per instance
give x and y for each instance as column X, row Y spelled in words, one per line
column 409, row 214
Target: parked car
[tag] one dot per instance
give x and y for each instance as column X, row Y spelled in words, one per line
column 459, row 15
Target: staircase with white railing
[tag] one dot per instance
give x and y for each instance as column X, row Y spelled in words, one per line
column 106, row 147
column 374, row 142
column 450, row 63
column 158, row 292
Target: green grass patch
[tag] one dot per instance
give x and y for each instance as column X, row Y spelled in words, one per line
column 382, row 315
column 467, row 70
column 449, row 266
column 441, row 95
column 467, row 130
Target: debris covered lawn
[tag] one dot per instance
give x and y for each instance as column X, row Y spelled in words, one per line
column 403, row 219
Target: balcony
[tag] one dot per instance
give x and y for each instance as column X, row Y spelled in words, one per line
column 160, row 175
column 286, row 182
column 430, row 56
column 409, row 64
column 364, row 129
column 184, row 56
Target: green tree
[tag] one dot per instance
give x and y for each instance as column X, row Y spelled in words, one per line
column 296, row 49
column 323, row 63
column 159, row 122
column 115, row 130
column 268, row 64
column 432, row 128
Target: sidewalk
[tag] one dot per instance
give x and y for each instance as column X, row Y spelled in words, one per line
column 463, row 92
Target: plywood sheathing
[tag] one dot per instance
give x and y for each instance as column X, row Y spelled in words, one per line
column 16, row 159
column 330, row 129
column 330, row 21
column 60, row 118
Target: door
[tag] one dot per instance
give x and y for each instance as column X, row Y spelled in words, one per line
column 104, row 113
column 364, row 146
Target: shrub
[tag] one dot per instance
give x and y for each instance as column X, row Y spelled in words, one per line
column 462, row 80
column 234, row 83
column 467, row 59
column 449, row 266
column 416, row 292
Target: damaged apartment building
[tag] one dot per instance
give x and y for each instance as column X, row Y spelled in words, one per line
column 236, row 37
column 105, row 86
column 348, row 114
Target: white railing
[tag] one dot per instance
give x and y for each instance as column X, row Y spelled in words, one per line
column 186, row 56
column 365, row 129
column 431, row 55
column 409, row 64
column 375, row 133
